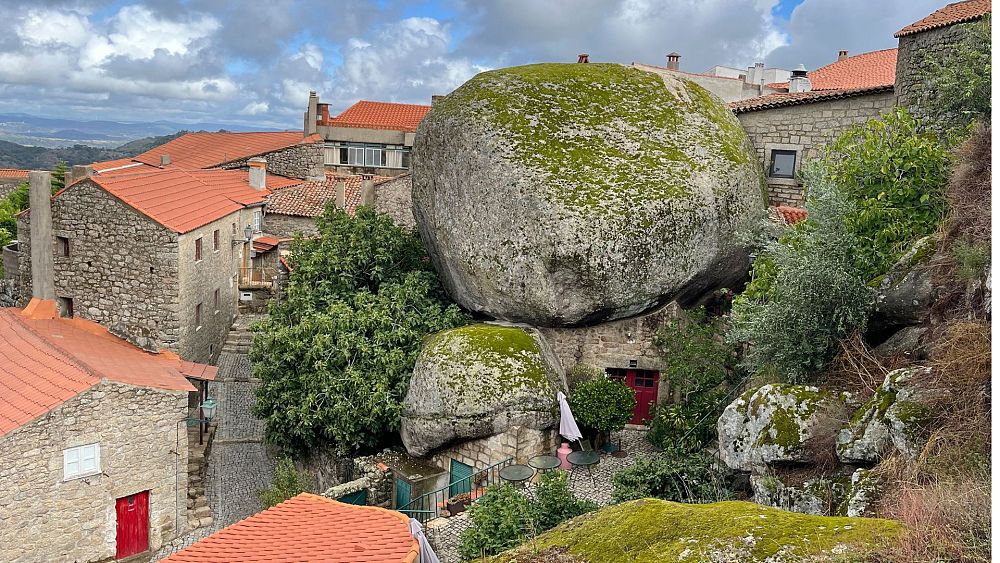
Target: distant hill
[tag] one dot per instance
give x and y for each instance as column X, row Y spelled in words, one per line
column 13, row 155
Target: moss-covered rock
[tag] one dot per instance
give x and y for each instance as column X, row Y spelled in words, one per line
column 775, row 423
column 477, row 381
column 561, row 194
column 894, row 418
column 651, row 530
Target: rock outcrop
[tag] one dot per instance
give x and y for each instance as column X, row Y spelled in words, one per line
column 567, row 194
column 477, row 381
column 775, row 423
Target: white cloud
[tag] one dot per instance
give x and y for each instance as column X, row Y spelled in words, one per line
column 254, row 108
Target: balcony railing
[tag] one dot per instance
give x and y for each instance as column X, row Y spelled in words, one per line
column 257, row 278
column 428, row 506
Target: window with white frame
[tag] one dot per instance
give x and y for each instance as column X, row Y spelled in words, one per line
column 258, row 219
column 81, row 461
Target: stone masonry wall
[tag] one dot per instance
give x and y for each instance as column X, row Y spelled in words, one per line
column 913, row 60
column 613, row 345
column 394, row 198
column 296, row 161
column 121, row 270
column 44, row 518
column 806, row 128
column 517, row 442
column 288, row 225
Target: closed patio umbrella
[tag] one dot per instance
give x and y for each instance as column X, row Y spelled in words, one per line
column 567, row 424
column 426, row 553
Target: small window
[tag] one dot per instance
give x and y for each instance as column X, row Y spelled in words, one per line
column 81, row 461
column 216, row 300
column 234, row 228
column 65, row 307
column 197, row 315
column 782, row 164
column 63, row 244
column 343, row 156
column 197, row 249
column 215, row 240
column 257, row 219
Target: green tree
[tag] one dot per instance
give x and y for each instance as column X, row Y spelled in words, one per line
column 335, row 357
column 288, row 482
column 602, row 404
column 958, row 82
column 59, row 176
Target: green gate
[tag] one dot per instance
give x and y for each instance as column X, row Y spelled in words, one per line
column 461, row 478
column 402, row 493
column 359, row 498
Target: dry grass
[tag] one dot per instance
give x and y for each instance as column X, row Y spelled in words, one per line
column 857, row 369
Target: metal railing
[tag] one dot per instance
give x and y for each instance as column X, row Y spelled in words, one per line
column 428, row 506
column 257, row 277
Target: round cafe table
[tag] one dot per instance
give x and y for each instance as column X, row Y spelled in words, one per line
column 584, row 459
column 516, row 474
column 544, row 463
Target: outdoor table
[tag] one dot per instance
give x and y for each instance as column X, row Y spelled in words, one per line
column 544, row 462
column 584, row 459
column 516, row 474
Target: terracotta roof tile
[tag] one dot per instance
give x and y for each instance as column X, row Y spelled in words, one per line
column 790, row 99
column 957, row 12
column 44, row 362
column 867, row 70
column 309, row 528
column 381, row 115
column 310, row 198
column 792, row 215
column 182, row 200
column 205, row 150
column 13, row 173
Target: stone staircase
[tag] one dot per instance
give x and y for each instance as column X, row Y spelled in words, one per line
column 238, row 341
column 199, row 514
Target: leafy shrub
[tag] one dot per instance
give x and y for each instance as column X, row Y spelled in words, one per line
column 335, row 356
column 501, row 519
column 958, row 79
column 288, row 482
column 698, row 362
column 895, row 178
column 673, row 475
column 555, row 502
column 817, row 295
column 602, row 404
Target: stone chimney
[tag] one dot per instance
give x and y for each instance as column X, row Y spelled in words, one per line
column 842, row 55
column 341, row 194
column 755, row 74
column 42, row 269
column 367, row 190
column 258, row 173
column 799, row 82
column 309, row 119
column 674, row 61
column 164, row 160
column 79, row 172
column 583, row 58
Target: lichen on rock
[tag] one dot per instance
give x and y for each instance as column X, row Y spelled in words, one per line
column 567, row 194
column 477, row 381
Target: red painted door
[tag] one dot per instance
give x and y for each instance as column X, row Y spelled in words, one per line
column 132, row 513
column 645, row 384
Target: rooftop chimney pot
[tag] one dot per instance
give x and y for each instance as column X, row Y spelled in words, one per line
column 842, row 55
column 674, row 61
column 367, row 190
column 257, row 173
column 799, row 81
column 164, row 159
column 583, row 58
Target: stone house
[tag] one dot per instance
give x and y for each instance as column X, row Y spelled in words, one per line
column 155, row 255
column 790, row 127
column 295, row 209
column 366, row 138
column 927, row 40
column 93, row 456
column 11, row 178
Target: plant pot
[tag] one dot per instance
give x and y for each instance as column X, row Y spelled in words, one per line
column 457, row 506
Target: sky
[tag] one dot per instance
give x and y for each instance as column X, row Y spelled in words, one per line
column 253, row 62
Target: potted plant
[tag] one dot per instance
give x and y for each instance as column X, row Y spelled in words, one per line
column 458, row 503
column 602, row 405
column 479, row 479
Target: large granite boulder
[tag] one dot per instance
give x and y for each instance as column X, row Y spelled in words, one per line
column 905, row 293
column 776, row 423
column 478, row 381
column 566, row 194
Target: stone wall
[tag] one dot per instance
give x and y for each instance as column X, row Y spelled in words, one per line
column 518, row 442
column 10, row 295
column 913, row 60
column 122, row 268
column 805, row 128
column 394, row 198
column 626, row 343
column 375, row 476
column 8, row 185
column 297, row 161
column 289, row 225
column 44, row 518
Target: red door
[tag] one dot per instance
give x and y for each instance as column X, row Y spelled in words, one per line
column 133, row 524
column 645, row 384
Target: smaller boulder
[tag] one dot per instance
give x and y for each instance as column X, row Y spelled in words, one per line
column 818, row 496
column 906, row 292
column 893, row 418
column 862, row 493
column 775, row 423
column 478, row 381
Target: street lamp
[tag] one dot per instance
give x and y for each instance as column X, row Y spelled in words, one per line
column 208, row 409
column 248, row 232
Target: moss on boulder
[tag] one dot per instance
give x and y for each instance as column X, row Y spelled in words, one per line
column 651, row 530
column 477, row 381
column 562, row 194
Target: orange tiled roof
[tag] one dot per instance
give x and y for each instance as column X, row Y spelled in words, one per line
column 867, row 70
column 781, row 99
column 205, row 150
column 310, row 198
column 792, row 215
column 117, row 165
column 45, row 362
column 182, row 200
column 956, row 12
column 381, row 115
column 309, row 528
column 13, row 173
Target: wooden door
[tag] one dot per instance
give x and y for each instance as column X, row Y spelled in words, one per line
column 132, row 514
column 461, row 478
column 645, row 384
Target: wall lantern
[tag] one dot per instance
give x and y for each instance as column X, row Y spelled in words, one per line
column 248, row 233
column 208, row 408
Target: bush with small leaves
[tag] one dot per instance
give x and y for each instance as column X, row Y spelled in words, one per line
column 675, row 475
column 288, row 482
column 602, row 404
